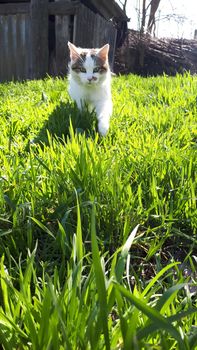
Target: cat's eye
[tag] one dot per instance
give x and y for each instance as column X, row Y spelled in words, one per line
column 82, row 70
column 96, row 70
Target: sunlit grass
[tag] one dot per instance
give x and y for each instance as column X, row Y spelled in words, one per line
column 77, row 197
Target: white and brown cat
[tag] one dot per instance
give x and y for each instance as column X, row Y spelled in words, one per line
column 90, row 82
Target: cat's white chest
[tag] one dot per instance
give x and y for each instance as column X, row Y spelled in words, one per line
column 88, row 94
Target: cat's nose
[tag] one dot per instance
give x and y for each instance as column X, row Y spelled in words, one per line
column 90, row 79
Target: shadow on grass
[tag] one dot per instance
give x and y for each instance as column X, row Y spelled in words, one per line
column 60, row 120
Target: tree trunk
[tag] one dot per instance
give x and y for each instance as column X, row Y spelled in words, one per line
column 153, row 9
column 143, row 22
column 124, row 6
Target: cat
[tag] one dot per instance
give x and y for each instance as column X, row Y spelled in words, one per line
column 90, row 82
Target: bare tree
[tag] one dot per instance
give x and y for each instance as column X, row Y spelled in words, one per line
column 123, row 3
column 147, row 14
column 154, row 4
column 143, row 19
column 148, row 11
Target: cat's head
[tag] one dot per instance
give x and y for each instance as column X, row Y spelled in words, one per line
column 89, row 66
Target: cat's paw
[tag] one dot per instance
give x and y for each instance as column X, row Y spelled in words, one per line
column 103, row 127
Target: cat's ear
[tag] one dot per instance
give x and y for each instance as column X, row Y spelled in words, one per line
column 103, row 52
column 73, row 51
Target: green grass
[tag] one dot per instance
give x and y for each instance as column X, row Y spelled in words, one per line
column 98, row 235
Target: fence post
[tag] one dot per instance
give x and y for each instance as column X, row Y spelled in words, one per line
column 39, row 38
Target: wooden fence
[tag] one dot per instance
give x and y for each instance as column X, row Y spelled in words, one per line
column 34, row 35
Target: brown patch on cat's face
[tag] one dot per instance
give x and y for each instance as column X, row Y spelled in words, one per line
column 83, row 55
column 78, row 63
column 101, row 58
column 101, row 63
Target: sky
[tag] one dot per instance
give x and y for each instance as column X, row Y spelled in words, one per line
column 178, row 28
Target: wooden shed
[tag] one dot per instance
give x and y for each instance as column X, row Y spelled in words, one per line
column 34, row 34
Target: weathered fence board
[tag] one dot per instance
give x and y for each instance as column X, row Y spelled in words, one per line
column 63, row 8
column 62, row 36
column 22, row 52
column 79, row 36
column 84, row 18
column 3, row 47
column 13, row 9
column 39, row 37
column 105, row 33
column 15, row 43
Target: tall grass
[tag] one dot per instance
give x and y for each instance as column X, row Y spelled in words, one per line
column 94, row 308
column 98, row 235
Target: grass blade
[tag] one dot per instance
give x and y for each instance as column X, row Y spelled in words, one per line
column 159, row 274
column 79, row 241
column 153, row 314
column 100, row 280
column 43, row 227
column 124, row 253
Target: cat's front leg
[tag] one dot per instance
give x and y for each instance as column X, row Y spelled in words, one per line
column 103, row 125
column 79, row 103
column 74, row 94
column 104, row 111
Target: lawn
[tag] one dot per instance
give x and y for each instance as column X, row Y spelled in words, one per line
column 98, row 235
